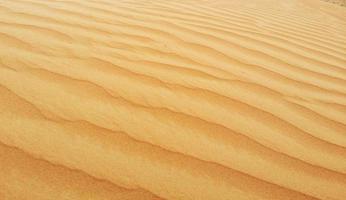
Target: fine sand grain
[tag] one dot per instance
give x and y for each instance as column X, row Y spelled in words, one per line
column 178, row 99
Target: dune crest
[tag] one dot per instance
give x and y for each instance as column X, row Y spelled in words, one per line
column 172, row 99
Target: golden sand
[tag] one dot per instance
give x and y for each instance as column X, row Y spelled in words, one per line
column 179, row 99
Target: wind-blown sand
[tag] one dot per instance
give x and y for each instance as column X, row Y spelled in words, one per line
column 137, row 99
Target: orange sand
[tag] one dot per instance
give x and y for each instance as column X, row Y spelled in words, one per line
column 181, row 99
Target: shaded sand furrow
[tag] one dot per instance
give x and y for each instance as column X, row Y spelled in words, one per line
column 258, row 58
column 164, row 14
column 279, row 12
column 276, row 52
column 162, row 11
column 118, row 9
column 167, row 136
column 329, row 80
column 244, row 31
column 303, row 35
column 127, row 151
column 341, row 129
column 205, row 10
column 297, row 35
column 342, row 64
column 93, row 35
column 148, row 95
column 165, row 37
column 144, row 11
column 318, row 129
column 338, row 113
column 18, row 168
column 52, row 34
column 308, row 43
column 201, row 21
column 295, row 26
column 282, row 31
column 140, row 85
column 176, row 60
column 278, row 43
column 244, row 71
column 83, row 33
column 138, row 13
column 80, row 4
column 173, row 100
column 211, row 10
column 282, row 22
column 251, row 21
column 259, row 15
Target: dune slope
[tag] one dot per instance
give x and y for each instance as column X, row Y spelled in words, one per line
column 172, row 99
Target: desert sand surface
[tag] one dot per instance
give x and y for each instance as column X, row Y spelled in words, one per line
column 179, row 99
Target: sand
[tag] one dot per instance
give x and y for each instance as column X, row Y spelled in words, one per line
column 181, row 99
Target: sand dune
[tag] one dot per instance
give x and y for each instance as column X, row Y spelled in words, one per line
column 172, row 99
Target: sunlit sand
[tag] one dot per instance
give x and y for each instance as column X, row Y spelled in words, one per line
column 181, row 99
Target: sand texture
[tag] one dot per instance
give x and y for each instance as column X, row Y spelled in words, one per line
column 176, row 100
